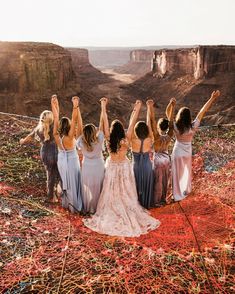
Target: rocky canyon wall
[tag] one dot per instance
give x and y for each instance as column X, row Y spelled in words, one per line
column 79, row 57
column 200, row 62
column 139, row 63
column 141, row 56
column 31, row 72
column 30, row 67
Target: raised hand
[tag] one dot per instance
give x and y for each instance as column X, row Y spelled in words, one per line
column 75, row 101
column 54, row 100
column 104, row 100
column 149, row 102
column 215, row 94
column 173, row 101
column 137, row 105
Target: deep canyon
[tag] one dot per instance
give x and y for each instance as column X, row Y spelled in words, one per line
column 31, row 72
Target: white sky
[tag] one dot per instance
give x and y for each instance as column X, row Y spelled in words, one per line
column 118, row 22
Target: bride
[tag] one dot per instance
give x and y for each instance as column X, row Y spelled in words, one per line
column 119, row 212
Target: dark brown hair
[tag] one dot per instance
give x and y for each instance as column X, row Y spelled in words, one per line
column 89, row 136
column 163, row 124
column 183, row 120
column 141, row 130
column 117, row 133
column 64, row 126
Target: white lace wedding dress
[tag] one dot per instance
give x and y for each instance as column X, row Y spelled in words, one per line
column 119, row 212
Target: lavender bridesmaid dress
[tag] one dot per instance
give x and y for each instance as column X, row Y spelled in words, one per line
column 69, row 169
column 92, row 173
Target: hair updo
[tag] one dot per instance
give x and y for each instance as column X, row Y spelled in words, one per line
column 163, row 124
column 141, row 130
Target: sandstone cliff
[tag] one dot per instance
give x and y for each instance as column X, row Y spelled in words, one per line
column 200, row 62
column 27, row 67
column 191, row 75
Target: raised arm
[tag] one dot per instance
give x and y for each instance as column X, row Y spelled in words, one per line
column 75, row 101
column 104, row 117
column 171, row 105
column 148, row 118
column 55, row 111
column 169, row 110
column 101, row 123
column 80, row 122
column 150, row 110
column 133, row 119
column 207, row 105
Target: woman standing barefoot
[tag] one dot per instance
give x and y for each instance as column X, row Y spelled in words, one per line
column 68, row 162
column 90, row 142
column 162, row 133
column 44, row 133
column 141, row 144
column 118, row 211
column 184, row 131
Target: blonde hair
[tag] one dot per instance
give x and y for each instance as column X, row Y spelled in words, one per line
column 45, row 121
column 89, row 136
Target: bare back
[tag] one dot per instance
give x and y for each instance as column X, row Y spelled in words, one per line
column 136, row 144
column 68, row 143
column 162, row 143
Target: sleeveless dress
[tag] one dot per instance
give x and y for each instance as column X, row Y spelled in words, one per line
column 69, row 169
column 182, row 162
column 161, row 171
column 143, row 170
column 118, row 211
column 92, row 174
column 48, row 154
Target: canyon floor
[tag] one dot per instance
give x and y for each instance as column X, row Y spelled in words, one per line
column 44, row 249
column 124, row 88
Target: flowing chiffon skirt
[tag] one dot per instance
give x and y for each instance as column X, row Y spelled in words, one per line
column 92, row 181
column 69, row 169
column 118, row 211
column 162, row 175
column 181, row 170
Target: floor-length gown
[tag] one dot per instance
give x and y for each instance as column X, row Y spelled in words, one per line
column 48, row 153
column 69, row 169
column 92, row 173
column 182, row 162
column 143, row 171
column 161, row 171
column 118, row 211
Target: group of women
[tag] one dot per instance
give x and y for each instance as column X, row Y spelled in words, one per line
column 117, row 192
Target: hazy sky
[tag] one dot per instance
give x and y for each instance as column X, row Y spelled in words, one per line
column 118, row 22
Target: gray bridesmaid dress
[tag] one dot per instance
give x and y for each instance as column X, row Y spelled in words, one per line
column 69, row 169
column 48, row 153
column 144, row 177
column 92, row 173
